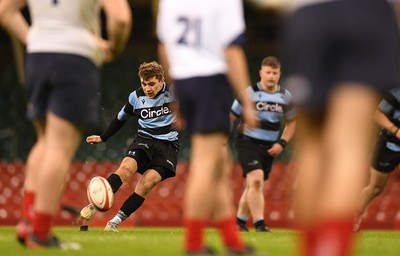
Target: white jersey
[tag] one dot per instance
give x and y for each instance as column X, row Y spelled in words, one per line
column 196, row 32
column 65, row 26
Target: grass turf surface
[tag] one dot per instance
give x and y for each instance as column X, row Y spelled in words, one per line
column 168, row 241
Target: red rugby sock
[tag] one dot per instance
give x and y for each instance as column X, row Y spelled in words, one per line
column 334, row 237
column 194, row 234
column 27, row 205
column 42, row 225
column 230, row 234
column 308, row 241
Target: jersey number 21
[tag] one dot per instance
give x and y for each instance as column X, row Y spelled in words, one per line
column 191, row 32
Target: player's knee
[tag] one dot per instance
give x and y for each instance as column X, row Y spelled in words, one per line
column 256, row 184
column 147, row 186
column 124, row 172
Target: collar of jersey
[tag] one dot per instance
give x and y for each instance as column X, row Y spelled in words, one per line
column 162, row 90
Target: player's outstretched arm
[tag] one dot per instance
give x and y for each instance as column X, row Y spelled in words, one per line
column 119, row 23
column 94, row 139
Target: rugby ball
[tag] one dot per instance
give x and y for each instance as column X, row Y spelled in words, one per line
column 99, row 193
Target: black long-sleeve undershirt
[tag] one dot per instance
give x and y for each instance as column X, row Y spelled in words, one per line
column 112, row 128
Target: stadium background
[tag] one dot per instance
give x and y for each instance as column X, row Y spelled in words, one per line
column 163, row 207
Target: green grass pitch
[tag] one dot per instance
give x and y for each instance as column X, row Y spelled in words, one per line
column 168, row 241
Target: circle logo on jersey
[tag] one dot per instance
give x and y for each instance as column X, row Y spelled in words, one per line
column 267, row 106
column 154, row 112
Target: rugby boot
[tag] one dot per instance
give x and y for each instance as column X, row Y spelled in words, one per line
column 247, row 250
column 263, row 229
column 111, row 226
column 33, row 242
column 203, row 252
column 242, row 228
column 22, row 230
column 88, row 212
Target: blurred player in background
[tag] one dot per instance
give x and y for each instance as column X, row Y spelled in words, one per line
column 200, row 44
column 14, row 22
column 18, row 42
column 257, row 147
column 387, row 152
column 65, row 51
column 341, row 55
column 154, row 151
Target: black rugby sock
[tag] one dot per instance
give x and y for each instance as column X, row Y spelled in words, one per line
column 132, row 204
column 259, row 223
column 115, row 182
column 240, row 221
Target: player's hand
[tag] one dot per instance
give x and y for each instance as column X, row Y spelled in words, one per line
column 249, row 112
column 94, row 139
column 275, row 149
column 105, row 48
column 250, row 117
column 179, row 123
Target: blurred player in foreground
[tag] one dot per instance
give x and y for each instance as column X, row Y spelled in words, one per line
column 200, row 44
column 341, row 55
column 154, row 151
column 65, row 51
column 387, row 152
column 257, row 147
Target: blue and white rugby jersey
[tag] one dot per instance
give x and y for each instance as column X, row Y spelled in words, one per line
column 390, row 105
column 155, row 117
column 272, row 110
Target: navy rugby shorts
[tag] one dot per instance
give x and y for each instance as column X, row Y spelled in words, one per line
column 253, row 155
column 205, row 103
column 65, row 84
column 160, row 155
column 385, row 160
column 340, row 42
